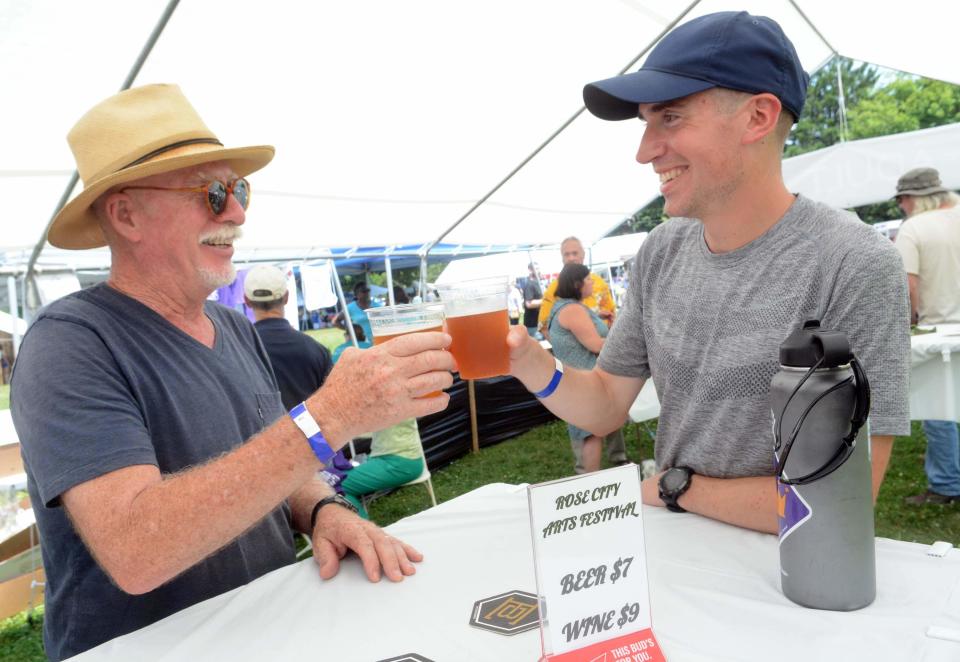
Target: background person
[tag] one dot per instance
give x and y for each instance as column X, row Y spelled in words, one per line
column 362, row 342
column 515, row 303
column 299, row 362
column 395, row 458
column 160, row 462
column 741, row 264
column 577, row 334
column 357, row 309
column 929, row 244
column 600, row 302
column 400, row 295
column 532, row 298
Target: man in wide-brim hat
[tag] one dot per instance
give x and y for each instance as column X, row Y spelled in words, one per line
column 161, row 464
column 929, row 244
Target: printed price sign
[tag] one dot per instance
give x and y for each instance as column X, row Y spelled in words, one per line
column 591, row 568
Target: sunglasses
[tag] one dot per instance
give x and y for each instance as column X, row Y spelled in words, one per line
column 217, row 192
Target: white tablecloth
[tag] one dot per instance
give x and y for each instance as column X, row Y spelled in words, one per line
column 715, row 596
column 935, row 374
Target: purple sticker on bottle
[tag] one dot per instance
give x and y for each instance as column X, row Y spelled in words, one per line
column 792, row 510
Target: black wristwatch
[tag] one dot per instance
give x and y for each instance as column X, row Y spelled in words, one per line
column 337, row 499
column 673, row 483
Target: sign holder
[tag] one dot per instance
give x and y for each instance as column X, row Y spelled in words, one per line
column 590, row 563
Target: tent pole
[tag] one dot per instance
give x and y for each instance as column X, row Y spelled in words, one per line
column 386, row 264
column 471, row 392
column 131, row 76
column 423, row 275
column 347, row 322
column 12, row 296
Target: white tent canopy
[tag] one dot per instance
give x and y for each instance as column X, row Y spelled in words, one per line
column 391, row 120
column 860, row 172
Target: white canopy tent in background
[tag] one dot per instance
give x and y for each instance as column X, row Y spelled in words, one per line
column 861, row 172
column 392, row 120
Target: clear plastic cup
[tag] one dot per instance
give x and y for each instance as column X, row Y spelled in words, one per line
column 389, row 322
column 477, row 321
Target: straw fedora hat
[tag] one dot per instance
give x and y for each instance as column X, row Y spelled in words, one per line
column 137, row 133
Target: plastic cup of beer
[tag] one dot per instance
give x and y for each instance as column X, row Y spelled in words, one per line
column 389, row 322
column 477, row 321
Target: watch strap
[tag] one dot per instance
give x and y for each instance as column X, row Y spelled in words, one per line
column 670, row 498
column 337, row 499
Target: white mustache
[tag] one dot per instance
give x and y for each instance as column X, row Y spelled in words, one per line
column 225, row 235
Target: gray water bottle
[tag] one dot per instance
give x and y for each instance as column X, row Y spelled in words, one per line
column 820, row 399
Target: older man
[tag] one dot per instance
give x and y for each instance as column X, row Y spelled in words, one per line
column 744, row 262
column 160, row 462
column 929, row 243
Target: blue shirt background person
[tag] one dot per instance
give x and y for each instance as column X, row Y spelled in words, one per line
column 362, row 342
column 357, row 308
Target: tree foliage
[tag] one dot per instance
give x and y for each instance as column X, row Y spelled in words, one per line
column 820, row 124
column 905, row 104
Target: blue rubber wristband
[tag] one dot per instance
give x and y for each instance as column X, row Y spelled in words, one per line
column 311, row 430
column 554, row 381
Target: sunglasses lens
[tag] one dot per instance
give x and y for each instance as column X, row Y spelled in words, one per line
column 241, row 191
column 217, row 197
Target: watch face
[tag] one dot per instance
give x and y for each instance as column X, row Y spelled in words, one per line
column 673, row 479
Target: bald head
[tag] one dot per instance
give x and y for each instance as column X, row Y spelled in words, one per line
column 571, row 250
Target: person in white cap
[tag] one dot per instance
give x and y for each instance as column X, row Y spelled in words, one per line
column 743, row 263
column 300, row 363
column 929, row 243
column 161, row 464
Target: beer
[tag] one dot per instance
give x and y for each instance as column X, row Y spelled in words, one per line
column 478, row 323
column 389, row 322
column 480, row 344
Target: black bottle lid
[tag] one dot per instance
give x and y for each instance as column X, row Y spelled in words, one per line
column 808, row 344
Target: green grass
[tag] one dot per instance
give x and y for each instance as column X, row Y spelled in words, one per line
column 543, row 454
column 331, row 338
column 905, row 477
column 538, row 455
column 5, row 396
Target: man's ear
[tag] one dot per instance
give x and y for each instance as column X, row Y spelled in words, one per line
column 120, row 213
column 763, row 115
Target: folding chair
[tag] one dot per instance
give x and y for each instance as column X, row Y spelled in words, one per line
column 424, row 477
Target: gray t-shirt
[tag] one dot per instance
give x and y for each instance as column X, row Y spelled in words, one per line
column 102, row 382
column 708, row 328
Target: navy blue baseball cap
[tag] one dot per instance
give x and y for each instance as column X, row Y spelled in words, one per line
column 728, row 49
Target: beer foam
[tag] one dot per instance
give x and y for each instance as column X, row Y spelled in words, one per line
column 463, row 307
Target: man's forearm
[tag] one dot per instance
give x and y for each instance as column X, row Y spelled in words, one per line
column 582, row 397
column 750, row 503
column 177, row 521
